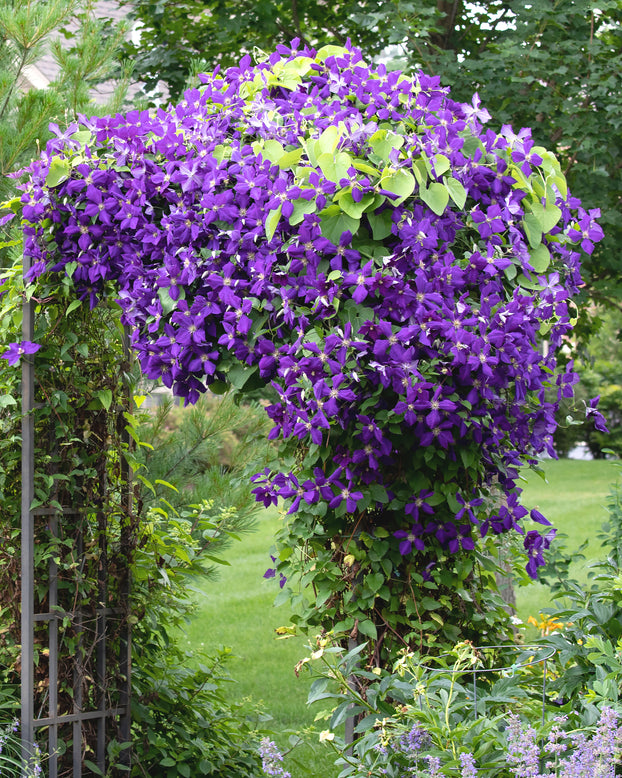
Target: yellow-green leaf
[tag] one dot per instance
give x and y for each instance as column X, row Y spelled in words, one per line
column 436, row 197
column 272, row 222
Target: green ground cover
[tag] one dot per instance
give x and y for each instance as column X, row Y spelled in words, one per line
column 237, row 611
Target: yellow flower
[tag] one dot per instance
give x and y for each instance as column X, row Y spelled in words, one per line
column 325, row 735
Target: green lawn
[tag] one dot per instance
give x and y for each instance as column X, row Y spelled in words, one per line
column 237, row 610
column 573, row 498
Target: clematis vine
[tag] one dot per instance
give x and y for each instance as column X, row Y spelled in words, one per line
column 362, row 243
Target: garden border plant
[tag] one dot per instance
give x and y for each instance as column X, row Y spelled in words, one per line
column 390, row 266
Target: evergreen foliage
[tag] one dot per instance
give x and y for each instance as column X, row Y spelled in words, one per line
column 87, row 52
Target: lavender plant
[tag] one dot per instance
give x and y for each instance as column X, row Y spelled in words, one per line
column 419, row 721
column 401, row 276
column 11, row 763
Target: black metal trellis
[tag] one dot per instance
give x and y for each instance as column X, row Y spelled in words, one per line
column 96, row 706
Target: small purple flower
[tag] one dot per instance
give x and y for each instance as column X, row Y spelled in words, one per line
column 15, row 351
column 592, row 412
column 271, row 759
column 410, row 538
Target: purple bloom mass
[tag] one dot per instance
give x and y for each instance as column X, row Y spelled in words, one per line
column 360, row 241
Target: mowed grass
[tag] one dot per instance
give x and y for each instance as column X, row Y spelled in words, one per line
column 573, row 498
column 237, row 610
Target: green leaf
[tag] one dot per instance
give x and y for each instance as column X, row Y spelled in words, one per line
column 301, row 208
column 380, row 224
column 528, row 283
column 420, row 170
column 167, row 484
column 330, row 51
column 533, row 230
column 547, row 216
column 365, row 167
column 456, row 191
column 168, row 304
column 72, row 306
column 540, row 259
column 335, row 167
column 329, row 139
column 441, row 164
column 272, row 222
column 374, row 581
column 289, row 159
column 383, row 142
column 272, row 150
column 352, row 208
column 105, row 398
column 436, row 197
column 367, row 627
column 399, row 182
column 240, row 374
column 58, row 172
column 334, row 222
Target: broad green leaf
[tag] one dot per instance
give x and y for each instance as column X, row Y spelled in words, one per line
column 380, row 224
column 272, row 222
column 301, row 207
column 335, row 167
column 441, row 164
column 289, row 159
column 383, row 142
column 528, row 283
column 365, row 167
column 456, row 191
column 374, row 581
column 367, row 627
column 334, row 222
column 420, row 170
column 168, row 304
column 400, row 182
column 300, row 65
column 313, row 151
column 105, row 398
column 240, row 374
column 218, row 387
column 436, row 197
column 58, row 172
column 533, row 230
column 547, row 216
column 72, row 306
column 330, row 51
column 540, row 258
column 272, row 150
column 329, row 139
column 352, row 208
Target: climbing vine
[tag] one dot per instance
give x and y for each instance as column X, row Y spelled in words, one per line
column 401, row 275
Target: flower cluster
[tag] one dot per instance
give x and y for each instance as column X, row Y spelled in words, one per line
column 400, row 274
